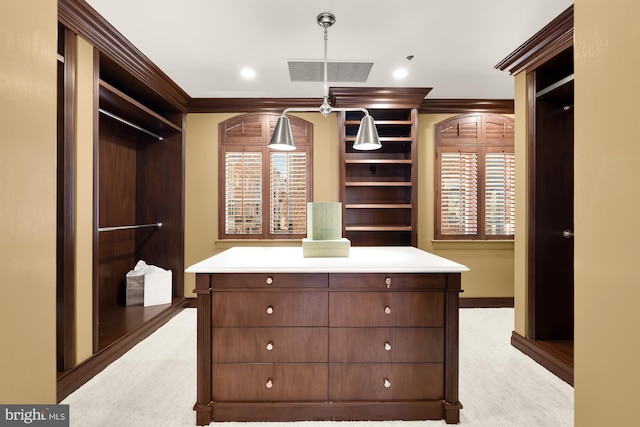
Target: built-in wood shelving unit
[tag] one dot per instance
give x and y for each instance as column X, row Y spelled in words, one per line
column 378, row 187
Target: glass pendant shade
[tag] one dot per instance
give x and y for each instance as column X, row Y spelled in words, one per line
column 282, row 138
column 367, row 137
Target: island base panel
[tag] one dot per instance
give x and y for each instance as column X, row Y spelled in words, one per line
column 380, row 345
column 333, row 411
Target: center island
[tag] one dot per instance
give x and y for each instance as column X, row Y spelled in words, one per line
column 371, row 336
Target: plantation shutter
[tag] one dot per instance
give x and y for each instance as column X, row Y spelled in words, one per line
column 288, row 178
column 475, row 178
column 458, row 193
column 243, row 193
column 499, row 193
column 263, row 193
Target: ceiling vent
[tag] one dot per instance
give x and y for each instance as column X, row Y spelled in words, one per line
column 300, row 71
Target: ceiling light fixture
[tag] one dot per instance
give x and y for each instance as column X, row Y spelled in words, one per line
column 400, row 73
column 367, row 135
column 248, row 73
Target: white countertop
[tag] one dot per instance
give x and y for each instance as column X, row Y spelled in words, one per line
column 369, row 259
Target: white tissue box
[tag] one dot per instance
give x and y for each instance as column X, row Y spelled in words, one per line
column 148, row 285
column 157, row 288
column 134, row 291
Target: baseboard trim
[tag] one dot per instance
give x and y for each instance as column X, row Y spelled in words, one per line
column 71, row 380
column 499, row 302
column 542, row 356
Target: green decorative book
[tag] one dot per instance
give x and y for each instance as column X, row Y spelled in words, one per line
column 324, row 231
column 324, row 220
column 325, row 248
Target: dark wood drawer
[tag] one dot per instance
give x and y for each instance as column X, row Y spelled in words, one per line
column 387, row 281
column 269, row 280
column 386, row 345
column 270, row 345
column 266, row 308
column 386, row 381
column 269, row 382
column 378, row 309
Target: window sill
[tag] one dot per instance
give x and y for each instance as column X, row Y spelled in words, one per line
column 497, row 245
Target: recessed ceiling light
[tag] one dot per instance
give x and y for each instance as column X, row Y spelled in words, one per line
column 248, row 73
column 400, row 73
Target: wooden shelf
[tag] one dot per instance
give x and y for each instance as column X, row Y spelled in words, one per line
column 378, row 228
column 378, row 184
column 387, row 139
column 378, row 161
column 123, row 106
column 379, row 206
column 119, row 320
column 381, row 122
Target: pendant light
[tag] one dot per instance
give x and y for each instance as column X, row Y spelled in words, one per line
column 367, row 135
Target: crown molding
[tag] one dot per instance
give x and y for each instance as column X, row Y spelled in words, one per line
column 83, row 20
column 250, row 105
column 277, row 105
column 377, row 97
column 462, row 106
column 546, row 43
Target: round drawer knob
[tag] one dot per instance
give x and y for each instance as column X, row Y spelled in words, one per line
column 387, row 310
column 270, row 310
column 269, row 383
column 269, row 280
column 387, row 282
column 270, row 346
column 387, row 346
column 387, row 383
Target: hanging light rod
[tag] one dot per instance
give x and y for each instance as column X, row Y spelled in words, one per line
column 367, row 135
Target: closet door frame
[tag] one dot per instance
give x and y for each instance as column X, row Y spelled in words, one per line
column 65, row 276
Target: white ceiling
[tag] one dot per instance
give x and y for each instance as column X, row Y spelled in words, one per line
column 203, row 44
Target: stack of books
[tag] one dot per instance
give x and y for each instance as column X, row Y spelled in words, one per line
column 324, row 231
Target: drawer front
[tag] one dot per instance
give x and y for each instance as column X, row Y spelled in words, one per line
column 386, row 381
column 387, row 281
column 269, row 280
column 263, row 345
column 386, row 345
column 376, row 309
column 269, row 382
column 268, row 308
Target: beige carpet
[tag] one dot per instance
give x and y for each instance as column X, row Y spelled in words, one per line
column 154, row 383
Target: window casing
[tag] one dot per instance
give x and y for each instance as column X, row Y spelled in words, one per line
column 475, row 178
column 263, row 193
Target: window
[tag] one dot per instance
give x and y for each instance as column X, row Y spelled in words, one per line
column 263, row 193
column 475, row 178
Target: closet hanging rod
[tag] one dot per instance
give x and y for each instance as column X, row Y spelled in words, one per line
column 554, row 86
column 126, row 122
column 130, row 227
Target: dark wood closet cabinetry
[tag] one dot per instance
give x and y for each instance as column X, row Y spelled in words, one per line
column 552, row 199
column 547, row 60
column 139, row 197
column 137, row 115
column 378, row 189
